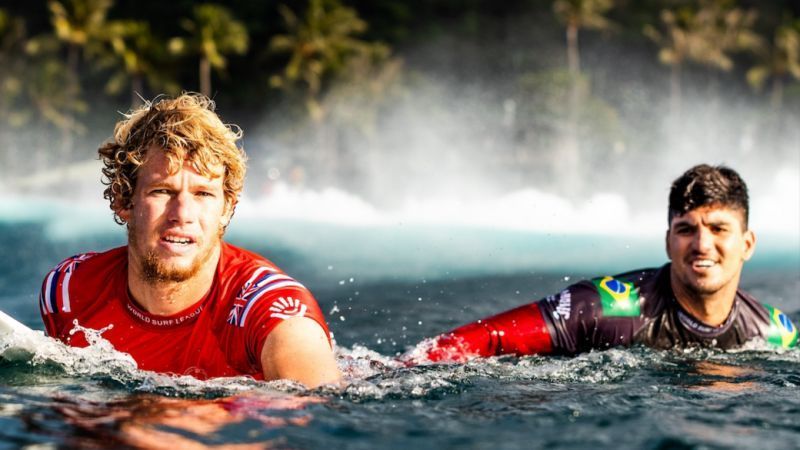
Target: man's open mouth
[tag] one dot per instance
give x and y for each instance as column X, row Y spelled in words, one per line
column 178, row 240
column 703, row 263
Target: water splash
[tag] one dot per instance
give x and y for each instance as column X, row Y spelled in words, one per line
column 371, row 376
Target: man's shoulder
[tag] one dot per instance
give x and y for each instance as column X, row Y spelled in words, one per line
column 621, row 283
column 90, row 263
column 777, row 327
column 81, row 276
column 247, row 273
column 619, row 295
column 238, row 260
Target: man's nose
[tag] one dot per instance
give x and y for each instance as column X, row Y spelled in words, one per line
column 703, row 240
column 182, row 208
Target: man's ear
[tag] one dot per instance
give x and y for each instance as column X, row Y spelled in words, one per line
column 123, row 213
column 666, row 245
column 227, row 214
column 749, row 244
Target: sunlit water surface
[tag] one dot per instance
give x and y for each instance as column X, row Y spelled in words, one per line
column 385, row 287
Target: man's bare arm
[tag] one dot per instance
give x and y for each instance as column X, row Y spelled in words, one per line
column 298, row 349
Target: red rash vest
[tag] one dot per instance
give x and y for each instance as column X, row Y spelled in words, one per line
column 220, row 335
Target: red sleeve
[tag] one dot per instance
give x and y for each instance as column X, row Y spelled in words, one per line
column 264, row 301
column 271, row 311
column 48, row 304
column 520, row 331
column 54, row 299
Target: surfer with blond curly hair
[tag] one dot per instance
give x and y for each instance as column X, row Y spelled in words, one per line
column 177, row 297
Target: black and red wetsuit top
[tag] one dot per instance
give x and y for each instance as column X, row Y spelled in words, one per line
column 632, row 308
column 222, row 334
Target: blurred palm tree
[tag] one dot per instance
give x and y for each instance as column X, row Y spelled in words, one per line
column 320, row 44
column 577, row 14
column 707, row 36
column 778, row 62
column 78, row 23
column 53, row 91
column 214, row 32
column 135, row 55
column 323, row 46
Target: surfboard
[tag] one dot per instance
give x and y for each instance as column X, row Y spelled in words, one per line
column 14, row 334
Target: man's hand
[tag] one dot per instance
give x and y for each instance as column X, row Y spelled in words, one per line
column 298, row 350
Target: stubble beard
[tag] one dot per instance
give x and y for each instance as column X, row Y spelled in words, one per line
column 700, row 288
column 155, row 271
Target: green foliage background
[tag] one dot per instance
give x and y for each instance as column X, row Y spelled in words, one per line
column 327, row 91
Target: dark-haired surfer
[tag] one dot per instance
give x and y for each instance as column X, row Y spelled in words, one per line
column 694, row 300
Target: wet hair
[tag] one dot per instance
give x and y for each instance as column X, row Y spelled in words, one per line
column 705, row 185
column 186, row 129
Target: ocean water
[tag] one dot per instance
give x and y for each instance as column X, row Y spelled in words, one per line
column 386, row 286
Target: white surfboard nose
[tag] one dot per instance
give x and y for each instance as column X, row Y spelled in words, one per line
column 9, row 324
column 14, row 334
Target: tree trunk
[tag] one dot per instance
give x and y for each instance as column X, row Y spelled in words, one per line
column 573, row 55
column 137, row 90
column 777, row 94
column 205, row 76
column 67, row 140
column 73, row 59
column 568, row 165
column 675, row 92
column 73, row 66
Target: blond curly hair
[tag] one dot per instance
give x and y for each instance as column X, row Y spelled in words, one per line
column 187, row 129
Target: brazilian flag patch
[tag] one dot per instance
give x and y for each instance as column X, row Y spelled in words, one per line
column 618, row 298
column 782, row 331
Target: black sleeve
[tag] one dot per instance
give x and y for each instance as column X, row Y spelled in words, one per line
column 578, row 324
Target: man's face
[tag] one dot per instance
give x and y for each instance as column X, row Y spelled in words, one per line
column 708, row 247
column 176, row 221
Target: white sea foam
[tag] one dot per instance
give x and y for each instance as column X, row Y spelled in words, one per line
column 526, row 210
column 369, row 375
column 775, row 209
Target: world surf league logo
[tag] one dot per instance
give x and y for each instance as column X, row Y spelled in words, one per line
column 163, row 322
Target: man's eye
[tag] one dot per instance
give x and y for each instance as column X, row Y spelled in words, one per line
column 205, row 194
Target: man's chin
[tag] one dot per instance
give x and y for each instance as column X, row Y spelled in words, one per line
column 705, row 287
column 161, row 270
